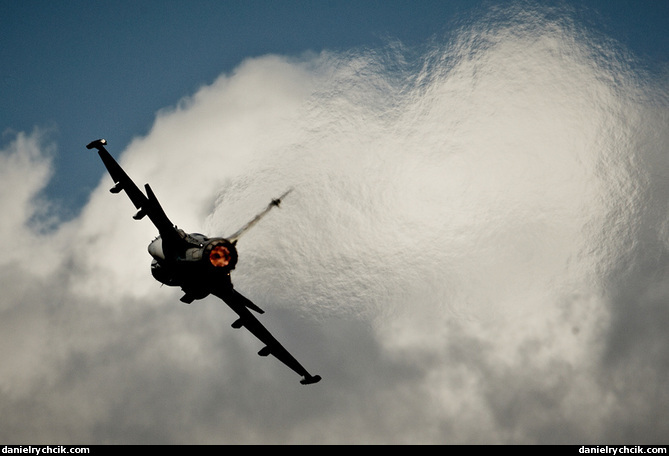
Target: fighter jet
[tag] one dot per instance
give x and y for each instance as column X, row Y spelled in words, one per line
column 199, row 265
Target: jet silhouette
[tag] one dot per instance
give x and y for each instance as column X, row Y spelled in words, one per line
column 199, row 265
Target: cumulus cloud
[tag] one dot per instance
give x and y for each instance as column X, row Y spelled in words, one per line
column 475, row 251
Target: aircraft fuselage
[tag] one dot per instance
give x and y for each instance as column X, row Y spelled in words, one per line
column 195, row 263
column 199, row 265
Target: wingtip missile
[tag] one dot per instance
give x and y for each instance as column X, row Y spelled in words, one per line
column 277, row 201
column 308, row 380
column 274, row 203
column 97, row 144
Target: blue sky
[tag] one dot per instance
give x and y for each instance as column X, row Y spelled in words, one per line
column 476, row 249
column 104, row 69
column 90, row 68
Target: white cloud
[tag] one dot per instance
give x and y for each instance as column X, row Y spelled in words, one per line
column 475, row 252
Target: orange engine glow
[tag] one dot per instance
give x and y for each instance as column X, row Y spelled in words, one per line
column 220, row 256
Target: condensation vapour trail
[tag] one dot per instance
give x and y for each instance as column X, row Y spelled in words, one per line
column 500, row 190
column 476, row 240
column 495, row 160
